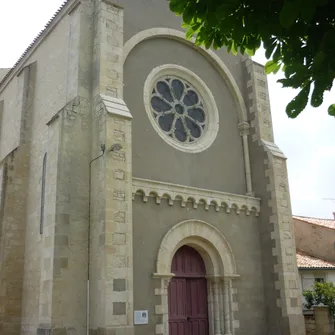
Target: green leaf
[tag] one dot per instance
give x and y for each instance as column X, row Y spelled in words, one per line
column 208, row 43
column 185, row 26
column 189, row 33
column 317, row 95
column 177, row 6
column 234, row 48
column 229, row 45
column 298, row 104
column 188, row 13
column 289, row 13
column 271, row 67
column 331, row 110
column 322, row 2
column 328, row 41
column 250, row 52
column 269, row 50
column 308, row 10
column 277, row 53
column 318, row 60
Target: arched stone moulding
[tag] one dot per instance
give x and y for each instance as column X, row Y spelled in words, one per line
column 220, row 66
column 197, row 196
column 208, row 54
column 220, row 268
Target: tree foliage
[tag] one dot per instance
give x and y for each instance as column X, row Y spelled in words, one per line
column 322, row 293
column 298, row 37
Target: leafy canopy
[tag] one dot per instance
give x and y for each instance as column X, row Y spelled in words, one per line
column 298, row 37
column 322, row 293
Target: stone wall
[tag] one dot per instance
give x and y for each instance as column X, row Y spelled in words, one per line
column 43, row 277
column 314, row 240
column 319, row 322
column 3, row 72
column 310, row 324
column 270, row 183
column 111, row 253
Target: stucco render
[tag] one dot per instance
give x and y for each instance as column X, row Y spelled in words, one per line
column 99, row 244
column 315, row 240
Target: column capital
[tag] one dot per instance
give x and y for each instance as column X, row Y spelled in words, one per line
column 244, row 128
column 163, row 275
column 231, row 276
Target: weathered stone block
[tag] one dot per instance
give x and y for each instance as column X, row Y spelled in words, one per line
column 119, row 308
column 119, row 285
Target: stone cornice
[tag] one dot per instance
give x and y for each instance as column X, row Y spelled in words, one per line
column 198, row 196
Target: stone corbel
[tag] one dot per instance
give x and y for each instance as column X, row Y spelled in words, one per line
column 244, row 129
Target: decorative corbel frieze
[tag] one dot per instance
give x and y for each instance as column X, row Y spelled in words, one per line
column 185, row 194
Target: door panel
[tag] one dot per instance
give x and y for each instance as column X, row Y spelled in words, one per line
column 196, row 299
column 177, row 299
column 188, row 314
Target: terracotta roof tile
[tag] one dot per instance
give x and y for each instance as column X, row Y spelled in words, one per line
column 306, row 261
column 329, row 223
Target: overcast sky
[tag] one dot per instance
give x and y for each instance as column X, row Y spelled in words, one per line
column 308, row 141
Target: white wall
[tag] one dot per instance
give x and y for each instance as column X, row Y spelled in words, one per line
column 307, row 278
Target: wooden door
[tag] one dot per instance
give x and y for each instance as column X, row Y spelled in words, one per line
column 188, row 303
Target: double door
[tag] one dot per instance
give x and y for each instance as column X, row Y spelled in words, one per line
column 188, row 313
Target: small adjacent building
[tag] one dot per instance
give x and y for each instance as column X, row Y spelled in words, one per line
column 315, row 243
column 315, row 236
column 312, row 269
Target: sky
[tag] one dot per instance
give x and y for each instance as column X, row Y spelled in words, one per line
column 307, row 141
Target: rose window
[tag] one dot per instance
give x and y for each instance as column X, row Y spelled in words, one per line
column 178, row 109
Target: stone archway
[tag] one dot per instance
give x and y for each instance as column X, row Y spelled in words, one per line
column 220, row 269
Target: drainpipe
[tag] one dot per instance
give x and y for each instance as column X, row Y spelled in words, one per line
column 114, row 147
column 89, row 240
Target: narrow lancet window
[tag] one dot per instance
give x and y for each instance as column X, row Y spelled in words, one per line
column 43, row 193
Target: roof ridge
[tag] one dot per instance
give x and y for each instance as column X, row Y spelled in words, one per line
column 311, row 217
column 35, row 40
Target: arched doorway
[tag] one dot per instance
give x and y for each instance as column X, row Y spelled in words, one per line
column 187, row 294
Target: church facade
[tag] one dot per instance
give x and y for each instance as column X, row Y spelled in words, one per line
column 141, row 191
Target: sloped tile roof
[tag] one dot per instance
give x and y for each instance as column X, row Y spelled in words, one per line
column 305, row 261
column 328, row 223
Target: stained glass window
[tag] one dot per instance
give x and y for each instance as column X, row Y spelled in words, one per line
column 178, row 109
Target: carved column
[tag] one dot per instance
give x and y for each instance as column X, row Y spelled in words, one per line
column 216, row 298
column 221, row 288
column 244, row 132
column 227, row 309
column 210, row 306
column 231, row 312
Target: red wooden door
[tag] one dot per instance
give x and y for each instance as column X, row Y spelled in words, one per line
column 188, row 313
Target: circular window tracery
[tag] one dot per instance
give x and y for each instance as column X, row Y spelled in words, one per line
column 181, row 108
column 178, row 109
